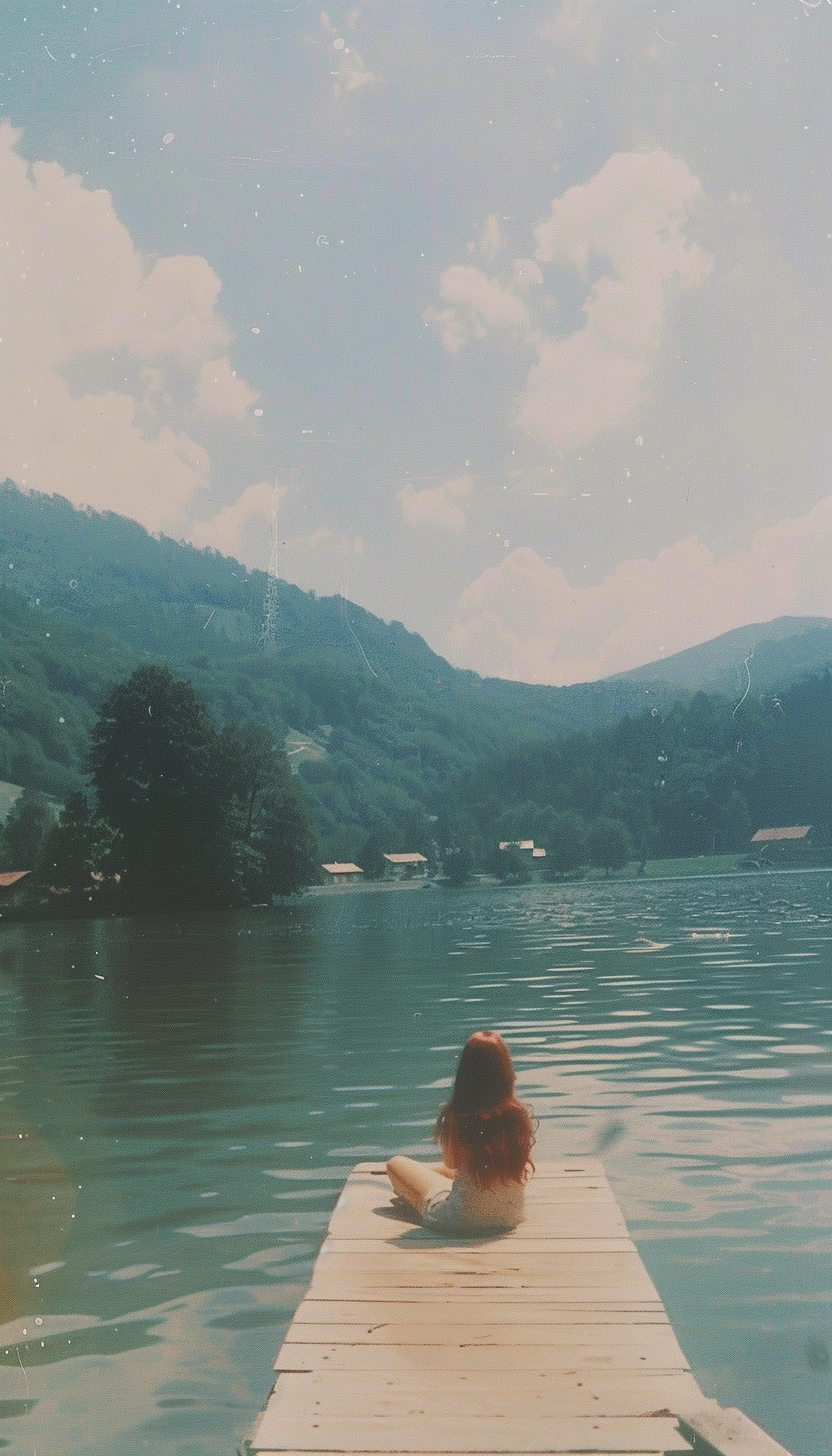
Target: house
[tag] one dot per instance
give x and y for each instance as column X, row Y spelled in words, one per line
column 527, row 846
column 11, row 885
column 405, row 866
column 343, row 874
column 788, row 843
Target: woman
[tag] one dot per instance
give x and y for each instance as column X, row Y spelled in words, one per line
column 486, row 1137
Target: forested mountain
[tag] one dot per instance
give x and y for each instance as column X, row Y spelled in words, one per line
column 698, row 779
column 88, row 597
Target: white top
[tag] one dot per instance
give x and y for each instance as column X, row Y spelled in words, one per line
column 463, row 1207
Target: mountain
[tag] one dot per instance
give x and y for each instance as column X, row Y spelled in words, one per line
column 776, row 653
column 378, row 720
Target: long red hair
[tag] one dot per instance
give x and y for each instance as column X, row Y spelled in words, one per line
column 483, row 1129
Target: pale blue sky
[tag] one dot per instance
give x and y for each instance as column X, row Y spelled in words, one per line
column 518, row 313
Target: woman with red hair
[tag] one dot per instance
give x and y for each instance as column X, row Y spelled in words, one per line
column 486, row 1137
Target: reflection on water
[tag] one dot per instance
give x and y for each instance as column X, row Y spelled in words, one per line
column 181, row 1099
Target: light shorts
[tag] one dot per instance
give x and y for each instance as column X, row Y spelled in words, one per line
column 443, row 1211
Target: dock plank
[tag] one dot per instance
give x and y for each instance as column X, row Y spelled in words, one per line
column 653, row 1342
column 425, row 1311
column 463, row 1433
column 459, row 1393
column 501, row 1359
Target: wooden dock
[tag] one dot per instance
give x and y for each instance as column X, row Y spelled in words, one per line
column 550, row 1338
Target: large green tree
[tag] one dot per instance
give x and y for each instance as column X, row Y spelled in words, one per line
column 609, row 843
column 155, row 766
column 268, row 825
column 76, row 856
column 566, row 845
column 26, row 830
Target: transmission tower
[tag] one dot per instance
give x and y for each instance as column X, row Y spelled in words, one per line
column 268, row 632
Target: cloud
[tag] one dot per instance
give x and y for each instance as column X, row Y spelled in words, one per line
column 524, row 619
column 576, row 22
column 104, row 351
column 475, row 304
column 351, row 72
column 243, row 529
column 440, row 507
column 626, row 223
column 220, row 392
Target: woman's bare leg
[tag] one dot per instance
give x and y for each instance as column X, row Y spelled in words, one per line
column 415, row 1182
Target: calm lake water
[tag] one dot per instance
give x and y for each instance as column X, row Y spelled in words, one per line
column 181, row 1099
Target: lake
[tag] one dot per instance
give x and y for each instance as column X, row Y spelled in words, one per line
column 182, row 1097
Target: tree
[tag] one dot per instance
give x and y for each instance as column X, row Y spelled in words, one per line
column 566, row 845
column 75, row 855
column 27, row 828
column 372, row 852
column 286, row 840
column 269, row 828
column 610, row 845
column 509, row 865
column 155, row 767
column 457, row 863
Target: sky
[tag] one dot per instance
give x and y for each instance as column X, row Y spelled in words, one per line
column 516, row 314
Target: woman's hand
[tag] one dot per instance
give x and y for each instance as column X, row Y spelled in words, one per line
column 444, row 1170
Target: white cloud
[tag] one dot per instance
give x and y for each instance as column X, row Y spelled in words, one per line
column 220, row 392
column 99, row 341
column 351, row 72
column 475, row 304
column 439, row 507
column 577, row 22
column 629, row 221
column 243, row 529
column 524, row 619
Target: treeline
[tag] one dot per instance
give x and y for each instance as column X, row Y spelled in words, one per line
column 697, row 779
column 179, row 814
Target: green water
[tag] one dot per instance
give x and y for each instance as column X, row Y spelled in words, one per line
column 181, row 1098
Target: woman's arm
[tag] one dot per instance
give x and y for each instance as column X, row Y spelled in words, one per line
column 443, row 1169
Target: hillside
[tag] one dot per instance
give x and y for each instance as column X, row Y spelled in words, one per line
column 776, row 652
column 86, row 597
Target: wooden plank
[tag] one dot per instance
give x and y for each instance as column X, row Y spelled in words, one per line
column 345, row 1279
column 551, row 1220
column 514, row 1244
column 454, row 1434
column 572, row 1297
column 492, row 1289
column 457, row 1393
column 613, row 1267
column 420, row 1255
column 555, row 1168
column 503, row 1360
column 657, row 1342
column 376, row 1193
column 425, row 1311
column 555, row 1220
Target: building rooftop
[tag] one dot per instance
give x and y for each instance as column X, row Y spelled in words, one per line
column 406, row 858
column 795, row 831
column 11, row 877
column 343, row 869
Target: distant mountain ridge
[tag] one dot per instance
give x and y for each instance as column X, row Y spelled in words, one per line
column 775, row 652
column 93, row 595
